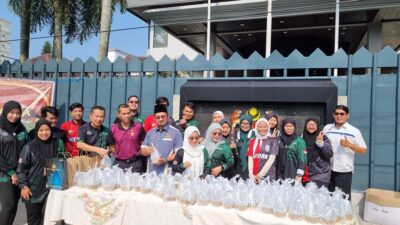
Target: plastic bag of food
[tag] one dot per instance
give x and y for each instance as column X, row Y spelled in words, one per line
column 108, row 180
column 105, row 162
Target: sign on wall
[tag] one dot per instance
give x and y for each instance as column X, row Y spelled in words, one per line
column 31, row 94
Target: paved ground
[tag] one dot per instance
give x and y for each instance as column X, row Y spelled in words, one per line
column 20, row 219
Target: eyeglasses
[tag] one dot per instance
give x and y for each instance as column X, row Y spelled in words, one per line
column 217, row 133
column 339, row 113
column 136, row 102
column 194, row 138
column 161, row 117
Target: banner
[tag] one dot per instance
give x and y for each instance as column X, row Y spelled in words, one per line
column 31, row 94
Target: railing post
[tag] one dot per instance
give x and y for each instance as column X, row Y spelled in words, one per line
column 397, row 130
column 372, row 119
column 349, row 79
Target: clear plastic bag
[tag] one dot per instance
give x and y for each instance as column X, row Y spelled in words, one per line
column 105, row 162
column 93, row 178
column 170, row 193
column 203, row 194
column 108, row 180
column 79, row 179
column 125, row 183
column 241, row 197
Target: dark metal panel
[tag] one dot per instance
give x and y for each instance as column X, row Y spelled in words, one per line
column 104, row 95
column 148, row 95
column 117, row 96
column 383, row 148
column 89, row 96
column 360, row 118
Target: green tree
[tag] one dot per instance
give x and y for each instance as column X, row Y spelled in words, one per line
column 47, row 49
column 25, row 9
column 107, row 9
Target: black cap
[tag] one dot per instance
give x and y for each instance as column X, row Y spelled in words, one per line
column 160, row 108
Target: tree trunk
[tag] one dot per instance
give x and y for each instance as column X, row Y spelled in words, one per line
column 25, row 30
column 57, row 36
column 105, row 25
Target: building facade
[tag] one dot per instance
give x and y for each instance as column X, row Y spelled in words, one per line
column 5, row 34
column 305, row 25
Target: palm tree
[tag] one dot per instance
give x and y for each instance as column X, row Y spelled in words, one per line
column 25, row 9
column 107, row 8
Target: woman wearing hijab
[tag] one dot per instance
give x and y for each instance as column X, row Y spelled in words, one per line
column 13, row 137
column 31, row 165
column 192, row 159
column 319, row 153
column 292, row 152
column 217, row 116
column 242, row 140
column 262, row 152
column 221, row 157
column 273, row 122
column 188, row 113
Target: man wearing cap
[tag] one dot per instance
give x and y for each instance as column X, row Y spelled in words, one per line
column 161, row 142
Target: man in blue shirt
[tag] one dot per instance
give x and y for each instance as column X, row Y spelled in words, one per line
column 161, row 142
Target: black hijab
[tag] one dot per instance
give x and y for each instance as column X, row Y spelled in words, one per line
column 271, row 114
column 43, row 149
column 310, row 138
column 288, row 139
column 12, row 128
column 226, row 138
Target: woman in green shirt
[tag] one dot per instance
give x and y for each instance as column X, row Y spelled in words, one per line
column 292, row 159
column 221, row 156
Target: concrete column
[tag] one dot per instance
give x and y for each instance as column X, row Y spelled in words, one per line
column 374, row 38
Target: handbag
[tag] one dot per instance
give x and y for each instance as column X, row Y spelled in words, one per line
column 57, row 172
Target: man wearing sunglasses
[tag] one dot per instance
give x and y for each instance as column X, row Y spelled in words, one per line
column 346, row 140
column 134, row 105
column 161, row 142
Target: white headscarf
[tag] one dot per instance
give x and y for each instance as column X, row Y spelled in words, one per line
column 220, row 113
column 208, row 142
column 259, row 137
column 194, row 155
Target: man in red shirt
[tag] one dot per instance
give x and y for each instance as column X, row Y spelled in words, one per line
column 71, row 128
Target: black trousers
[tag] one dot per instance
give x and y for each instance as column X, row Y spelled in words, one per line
column 35, row 213
column 135, row 165
column 342, row 181
column 9, row 196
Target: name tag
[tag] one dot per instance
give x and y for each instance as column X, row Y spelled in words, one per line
column 167, row 139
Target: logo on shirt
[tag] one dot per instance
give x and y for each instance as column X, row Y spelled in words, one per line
column 70, row 131
column 89, row 132
column 132, row 133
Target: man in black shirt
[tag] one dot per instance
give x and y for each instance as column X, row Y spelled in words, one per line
column 50, row 113
column 93, row 135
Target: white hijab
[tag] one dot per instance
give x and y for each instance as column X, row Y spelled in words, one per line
column 259, row 137
column 194, row 155
column 210, row 145
column 220, row 113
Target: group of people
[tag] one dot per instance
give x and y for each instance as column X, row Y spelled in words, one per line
column 250, row 149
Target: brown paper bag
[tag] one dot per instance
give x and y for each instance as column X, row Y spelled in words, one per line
column 94, row 161
column 83, row 163
column 72, row 167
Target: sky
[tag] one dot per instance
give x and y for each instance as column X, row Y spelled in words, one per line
column 131, row 41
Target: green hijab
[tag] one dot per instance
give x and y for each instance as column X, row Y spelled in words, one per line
column 244, row 137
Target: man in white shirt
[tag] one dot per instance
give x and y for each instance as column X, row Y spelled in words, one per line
column 346, row 141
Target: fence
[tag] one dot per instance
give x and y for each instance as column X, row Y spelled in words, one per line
column 370, row 82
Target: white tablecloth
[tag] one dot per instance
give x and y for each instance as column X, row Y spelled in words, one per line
column 86, row 207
